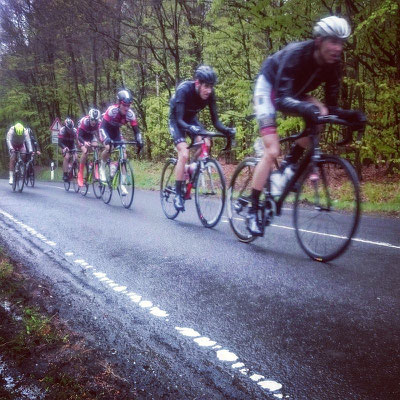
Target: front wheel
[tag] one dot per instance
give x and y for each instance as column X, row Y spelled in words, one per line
column 126, row 184
column 86, row 179
column 75, row 177
column 98, row 188
column 167, row 189
column 210, row 193
column 327, row 208
column 19, row 176
column 107, row 186
column 239, row 199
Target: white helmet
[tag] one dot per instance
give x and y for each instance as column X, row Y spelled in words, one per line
column 94, row 114
column 332, row 27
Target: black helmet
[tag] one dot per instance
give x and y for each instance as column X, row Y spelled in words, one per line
column 69, row 123
column 205, row 74
column 124, row 96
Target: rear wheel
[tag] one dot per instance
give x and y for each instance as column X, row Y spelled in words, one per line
column 107, row 186
column 31, row 175
column 327, row 208
column 97, row 186
column 126, row 184
column 167, row 189
column 239, row 199
column 210, row 193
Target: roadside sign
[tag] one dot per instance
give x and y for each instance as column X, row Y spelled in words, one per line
column 55, row 130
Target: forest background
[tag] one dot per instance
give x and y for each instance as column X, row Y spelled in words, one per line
column 60, row 58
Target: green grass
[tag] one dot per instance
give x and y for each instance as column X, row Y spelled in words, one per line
column 381, row 197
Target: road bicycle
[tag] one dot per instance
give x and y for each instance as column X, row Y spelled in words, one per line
column 119, row 176
column 19, row 172
column 72, row 173
column 30, row 171
column 207, row 180
column 91, row 175
column 324, row 222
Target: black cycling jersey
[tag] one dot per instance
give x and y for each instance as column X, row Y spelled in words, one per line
column 293, row 72
column 34, row 143
column 186, row 104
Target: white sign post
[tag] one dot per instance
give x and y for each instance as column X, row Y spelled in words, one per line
column 55, row 130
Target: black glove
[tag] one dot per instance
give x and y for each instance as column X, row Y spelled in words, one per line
column 139, row 142
column 107, row 141
column 310, row 113
column 357, row 118
column 194, row 129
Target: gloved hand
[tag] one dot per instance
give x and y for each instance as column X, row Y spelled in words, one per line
column 139, row 142
column 107, row 141
column 65, row 150
column 356, row 117
column 310, row 113
column 194, row 129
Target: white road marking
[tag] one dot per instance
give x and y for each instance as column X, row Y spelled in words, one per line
column 366, row 241
column 222, row 354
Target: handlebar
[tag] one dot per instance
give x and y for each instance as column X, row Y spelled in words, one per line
column 209, row 134
column 328, row 119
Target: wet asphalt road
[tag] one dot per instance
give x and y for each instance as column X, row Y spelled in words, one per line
column 262, row 320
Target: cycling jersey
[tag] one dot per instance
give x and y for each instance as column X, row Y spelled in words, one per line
column 87, row 132
column 113, row 120
column 66, row 138
column 185, row 104
column 293, row 72
column 17, row 142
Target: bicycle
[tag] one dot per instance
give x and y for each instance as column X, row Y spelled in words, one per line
column 91, row 175
column 324, row 224
column 30, row 171
column 19, row 172
column 116, row 179
column 207, row 180
column 72, row 173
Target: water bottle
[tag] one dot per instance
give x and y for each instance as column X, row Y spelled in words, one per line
column 90, row 167
column 113, row 168
column 288, row 172
column 192, row 169
column 278, row 181
column 259, row 147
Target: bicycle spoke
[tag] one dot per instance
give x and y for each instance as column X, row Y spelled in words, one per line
column 126, row 185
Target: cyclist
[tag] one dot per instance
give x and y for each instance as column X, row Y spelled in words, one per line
column 190, row 98
column 17, row 137
column 34, row 142
column 117, row 115
column 66, row 140
column 283, row 83
column 88, row 131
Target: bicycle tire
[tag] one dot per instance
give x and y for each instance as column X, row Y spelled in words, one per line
column 128, row 182
column 27, row 171
column 98, row 188
column 86, row 178
column 19, row 176
column 31, row 176
column 210, row 193
column 107, row 187
column 324, row 222
column 239, row 199
column 75, row 170
column 167, row 189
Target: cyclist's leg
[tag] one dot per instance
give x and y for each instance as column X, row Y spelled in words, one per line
column 265, row 114
column 82, row 163
column 13, row 158
column 183, row 156
column 105, row 154
column 66, row 156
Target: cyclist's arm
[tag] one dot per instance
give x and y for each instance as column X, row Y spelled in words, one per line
column 61, row 138
column 179, row 113
column 28, row 141
column 214, row 117
column 35, row 144
column 9, row 137
column 332, row 87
